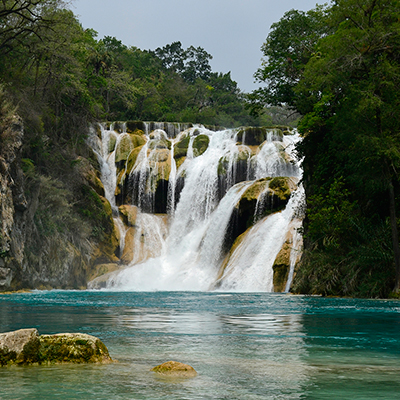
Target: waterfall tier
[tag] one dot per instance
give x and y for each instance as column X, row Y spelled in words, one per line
column 200, row 209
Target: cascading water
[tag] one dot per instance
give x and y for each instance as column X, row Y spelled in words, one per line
column 208, row 180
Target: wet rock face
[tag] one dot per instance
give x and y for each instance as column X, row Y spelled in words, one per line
column 12, row 201
column 25, row 346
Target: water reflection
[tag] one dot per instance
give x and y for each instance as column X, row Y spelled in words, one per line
column 244, row 346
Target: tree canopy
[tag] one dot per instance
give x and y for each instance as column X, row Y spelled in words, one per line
column 344, row 79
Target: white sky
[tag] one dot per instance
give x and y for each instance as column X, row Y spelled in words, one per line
column 232, row 31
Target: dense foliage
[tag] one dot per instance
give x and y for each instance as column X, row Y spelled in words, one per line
column 340, row 67
column 60, row 78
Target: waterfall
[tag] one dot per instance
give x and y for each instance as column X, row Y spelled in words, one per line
column 211, row 182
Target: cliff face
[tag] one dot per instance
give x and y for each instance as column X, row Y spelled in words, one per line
column 13, row 203
column 47, row 239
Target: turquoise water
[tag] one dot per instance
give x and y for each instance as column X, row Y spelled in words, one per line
column 243, row 345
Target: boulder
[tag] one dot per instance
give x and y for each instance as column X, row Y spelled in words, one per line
column 200, row 145
column 123, row 149
column 180, row 148
column 175, row 369
column 25, row 346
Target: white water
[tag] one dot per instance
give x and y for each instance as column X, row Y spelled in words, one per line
column 250, row 267
column 190, row 254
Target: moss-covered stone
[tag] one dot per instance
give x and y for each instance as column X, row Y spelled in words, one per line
column 72, row 348
column 176, row 369
column 160, row 144
column 137, row 139
column 180, row 148
column 133, row 126
column 280, row 187
column 281, row 267
column 200, row 145
column 26, row 347
column 123, row 149
column 112, row 141
column 252, row 136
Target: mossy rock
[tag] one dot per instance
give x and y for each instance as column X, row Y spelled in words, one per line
column 160, row 144
column 175, row 369
column 112, row 141
column 160, row 164
column 137, row 139
column 254, row 191
column 252, row 136
column 281, row 268
column 27, row 347
column 280, row 187
column 131, row 161
column 134, row 126
column 274, row 135
column 244, row 153
column 123, row 149
column 180, row 148
column 110, row 242
column 158, row 134
column 200, row 145
column 75, row 348
column 179, row 162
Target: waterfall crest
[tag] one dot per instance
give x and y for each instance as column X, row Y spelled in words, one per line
column 211, row 209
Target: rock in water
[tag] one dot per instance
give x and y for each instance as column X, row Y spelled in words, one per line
column 25, row 346
column 175, row 369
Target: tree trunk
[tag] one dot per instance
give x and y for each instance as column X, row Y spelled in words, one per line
column 395, row 237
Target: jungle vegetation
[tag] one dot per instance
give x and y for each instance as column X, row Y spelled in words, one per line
column 338, row 65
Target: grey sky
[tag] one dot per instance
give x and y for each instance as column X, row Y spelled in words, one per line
column 232, row 31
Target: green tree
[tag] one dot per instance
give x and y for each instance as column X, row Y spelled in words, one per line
column 288, row 48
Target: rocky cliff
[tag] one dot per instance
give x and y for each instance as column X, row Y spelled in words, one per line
column 48, row 236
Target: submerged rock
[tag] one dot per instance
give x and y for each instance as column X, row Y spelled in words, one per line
column 175, row 368
column 25, row 346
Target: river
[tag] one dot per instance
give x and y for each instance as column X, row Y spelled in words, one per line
column 243, row 345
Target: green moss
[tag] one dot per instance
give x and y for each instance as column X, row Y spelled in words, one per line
column 30, row 352
column 7, row 357
column 111, row 143
column 280, row 187
column 137, row 139
column 123, row 149
column 252, row 136
column 160, row 144
column 281, row 272
column 200, row 145
column 60, row 349
column 180, row 149
column 132, row 159
column 133, row 126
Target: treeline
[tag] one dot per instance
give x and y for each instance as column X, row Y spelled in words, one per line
column 339, row 66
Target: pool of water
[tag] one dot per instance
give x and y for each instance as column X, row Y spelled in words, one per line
column 243, row 345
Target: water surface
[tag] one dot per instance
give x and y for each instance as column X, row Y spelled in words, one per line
column 243, row 345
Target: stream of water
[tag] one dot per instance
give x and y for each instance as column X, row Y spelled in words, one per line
column 243, row 346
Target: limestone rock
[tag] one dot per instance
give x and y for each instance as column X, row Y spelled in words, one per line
column 123, row 149
column 281, row 267
column 128, row 214
column 200, row 145
column 175, row 369
column 254, row 136
column 180, row 148
column 25, row 346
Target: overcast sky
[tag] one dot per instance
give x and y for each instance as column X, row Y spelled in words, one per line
column 232, row 31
